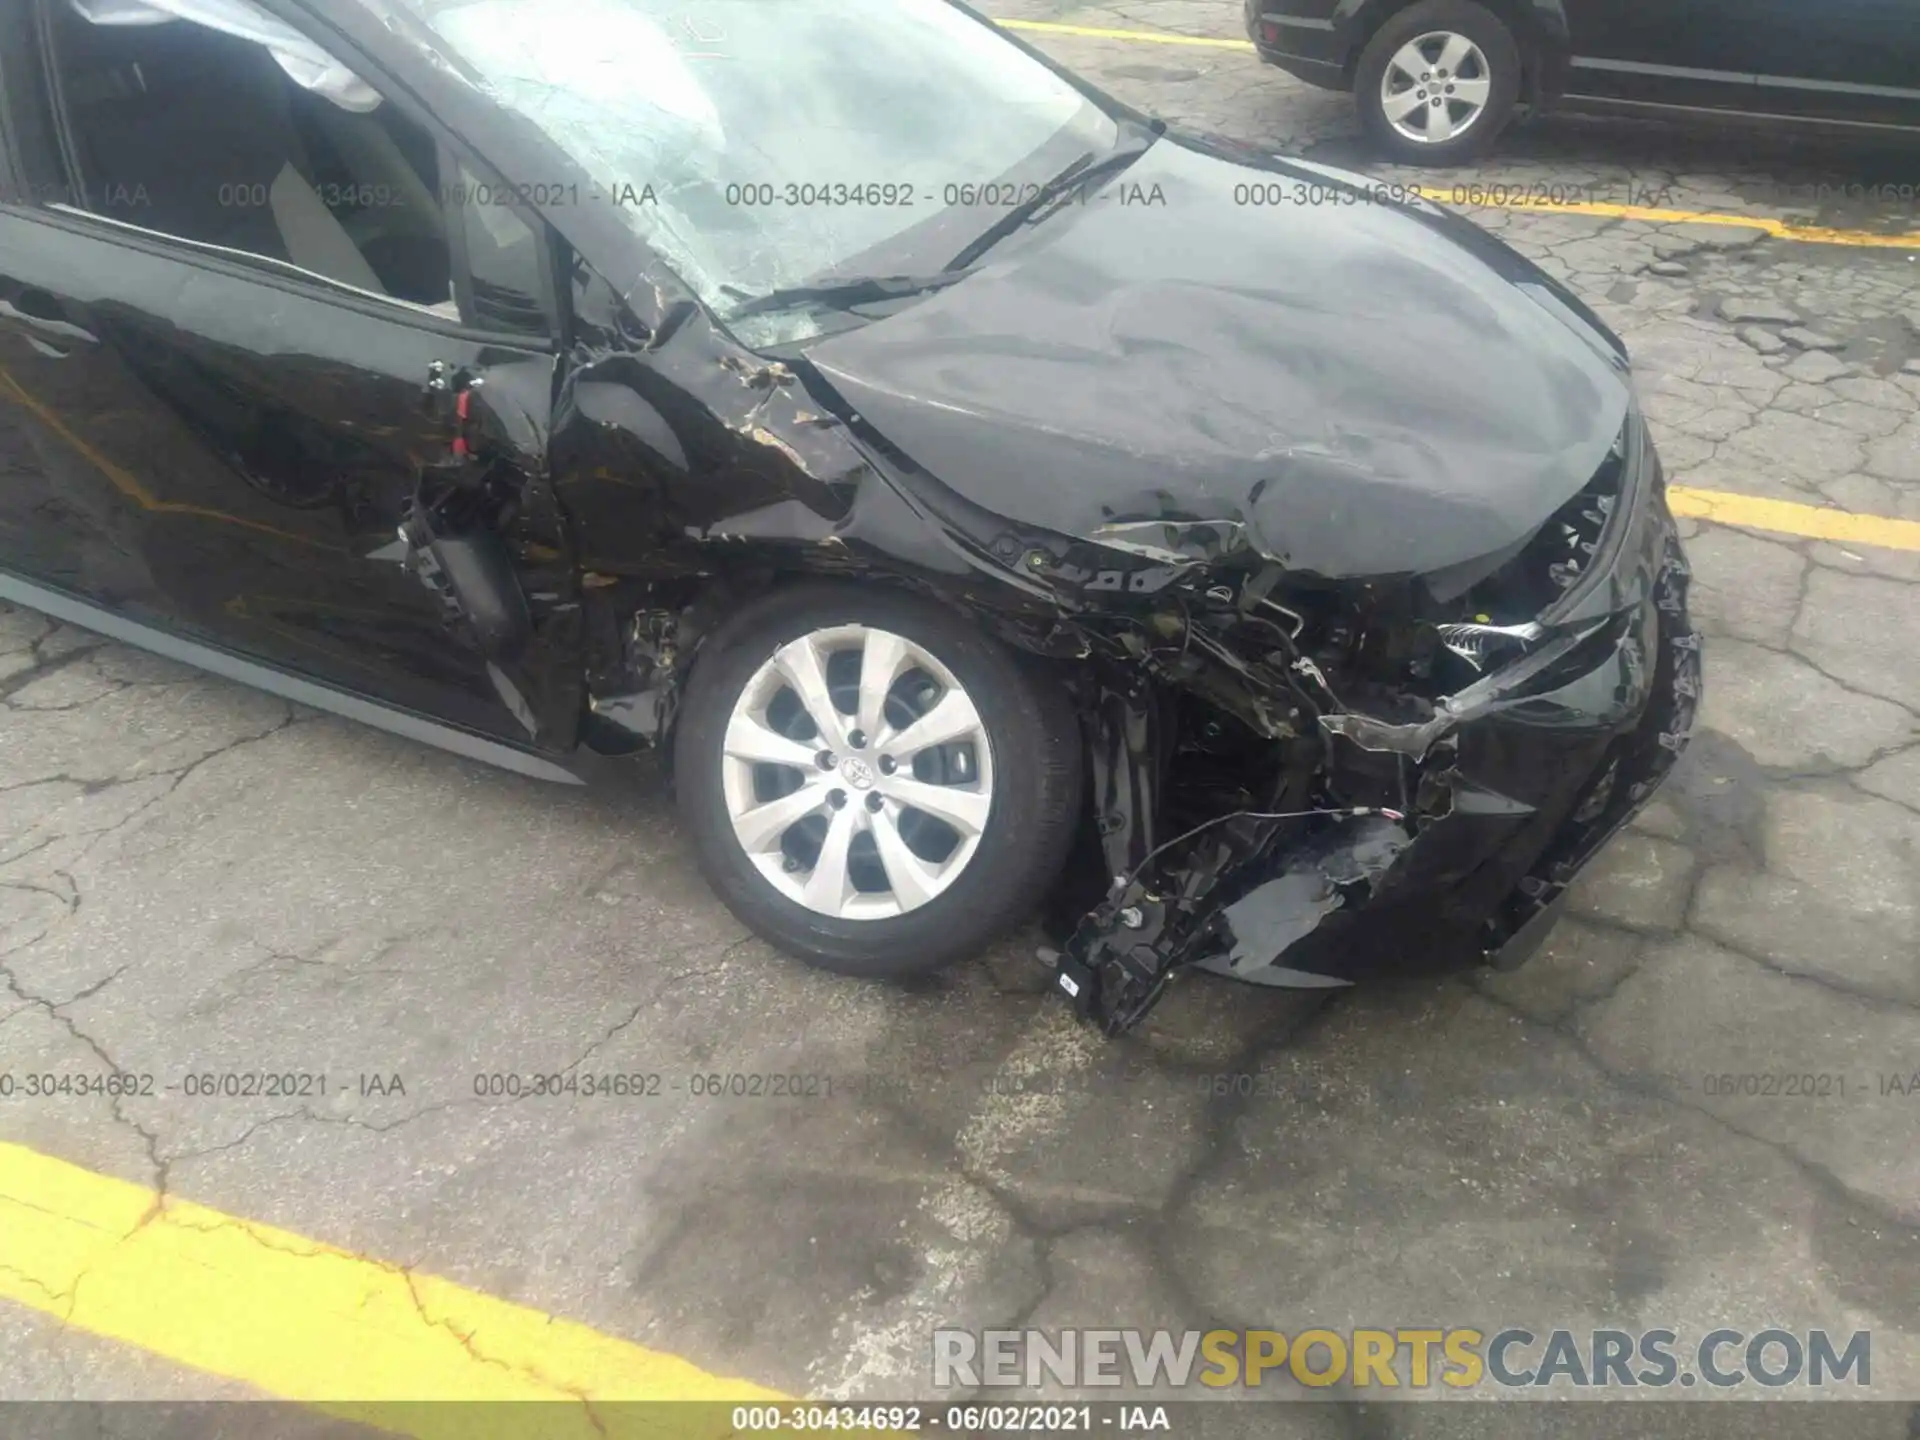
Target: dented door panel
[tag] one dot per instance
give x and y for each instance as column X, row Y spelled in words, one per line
column 234, row 455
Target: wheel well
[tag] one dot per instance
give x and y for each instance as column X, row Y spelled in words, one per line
column 1513, row 13
column 642, row 640
column 645, row 638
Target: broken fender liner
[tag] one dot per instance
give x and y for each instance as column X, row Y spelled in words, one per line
column 1126, row 952
column 1347, row 862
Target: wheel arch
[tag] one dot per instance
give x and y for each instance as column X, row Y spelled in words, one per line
column 1540, row 28
column 646, row 638
column 1016, row 852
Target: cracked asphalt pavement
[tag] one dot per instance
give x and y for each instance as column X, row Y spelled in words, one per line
column 197, row 879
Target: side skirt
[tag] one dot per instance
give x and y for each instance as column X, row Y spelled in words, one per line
column 1767, row 120
column 275, row 682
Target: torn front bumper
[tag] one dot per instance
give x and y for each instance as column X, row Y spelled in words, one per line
column 1514, row 786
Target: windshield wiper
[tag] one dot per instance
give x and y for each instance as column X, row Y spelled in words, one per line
column 850, row 291
column 846, row 292
column 1049, row 196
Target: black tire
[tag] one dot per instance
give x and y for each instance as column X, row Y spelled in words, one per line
column 1037, row 784
column 1503, row 63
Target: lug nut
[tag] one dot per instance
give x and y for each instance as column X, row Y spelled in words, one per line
column 837, row 799
column 874, row 802
column 888, row 765
column 858, row 739
column 824, row 760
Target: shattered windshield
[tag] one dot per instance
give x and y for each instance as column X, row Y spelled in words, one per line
column 762, row 145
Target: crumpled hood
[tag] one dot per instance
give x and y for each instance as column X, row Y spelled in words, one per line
column 1370, row 389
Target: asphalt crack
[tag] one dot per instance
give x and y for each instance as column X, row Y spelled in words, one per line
column 1821, row 1177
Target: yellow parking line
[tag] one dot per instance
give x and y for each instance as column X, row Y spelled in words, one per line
column 304, row 1321
column 1654, row 215
column 1781, row 229
column 1785, row 517
column 1144, row 37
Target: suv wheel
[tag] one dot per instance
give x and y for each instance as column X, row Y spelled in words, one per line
column 871, row 783
column 1438, row 82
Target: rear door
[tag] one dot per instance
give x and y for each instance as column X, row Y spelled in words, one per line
column 221, row 304
column 1849, row 60
column 1660, row 52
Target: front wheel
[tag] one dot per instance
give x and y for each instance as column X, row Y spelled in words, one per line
column 1438, row 82
column 871, row 783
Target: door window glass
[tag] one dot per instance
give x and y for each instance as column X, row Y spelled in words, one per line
column 211, row 121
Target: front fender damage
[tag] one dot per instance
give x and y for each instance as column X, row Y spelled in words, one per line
column 1275, row 755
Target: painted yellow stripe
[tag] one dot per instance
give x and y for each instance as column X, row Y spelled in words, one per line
column 1784, row 517
column 304, row 1321
column 1653, row 215
column 1142, row 37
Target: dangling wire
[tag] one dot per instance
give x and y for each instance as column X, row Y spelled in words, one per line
column 1348, row 813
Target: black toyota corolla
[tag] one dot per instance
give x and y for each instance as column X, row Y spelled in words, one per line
column 979, row 498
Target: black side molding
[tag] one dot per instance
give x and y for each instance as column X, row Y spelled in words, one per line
column 275, row 682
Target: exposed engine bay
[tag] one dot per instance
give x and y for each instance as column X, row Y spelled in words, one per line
column 1403, row 720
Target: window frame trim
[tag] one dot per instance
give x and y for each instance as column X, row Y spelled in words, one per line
column 284, row 274
column 74, row 177
column 12, row 173
column 281, row 275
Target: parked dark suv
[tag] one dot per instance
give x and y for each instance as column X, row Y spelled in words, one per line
column 1437, row 80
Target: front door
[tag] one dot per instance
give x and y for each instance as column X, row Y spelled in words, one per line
column 217, row 337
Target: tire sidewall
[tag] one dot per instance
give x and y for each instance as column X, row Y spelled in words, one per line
column 1478, row 24
column 1017, row 841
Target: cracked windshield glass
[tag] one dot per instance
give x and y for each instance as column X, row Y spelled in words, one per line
column 782, row 143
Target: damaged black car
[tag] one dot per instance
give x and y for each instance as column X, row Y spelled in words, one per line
column 978, row 493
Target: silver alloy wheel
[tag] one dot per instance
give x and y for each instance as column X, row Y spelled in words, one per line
column 865, row 812
column 1435, row 87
